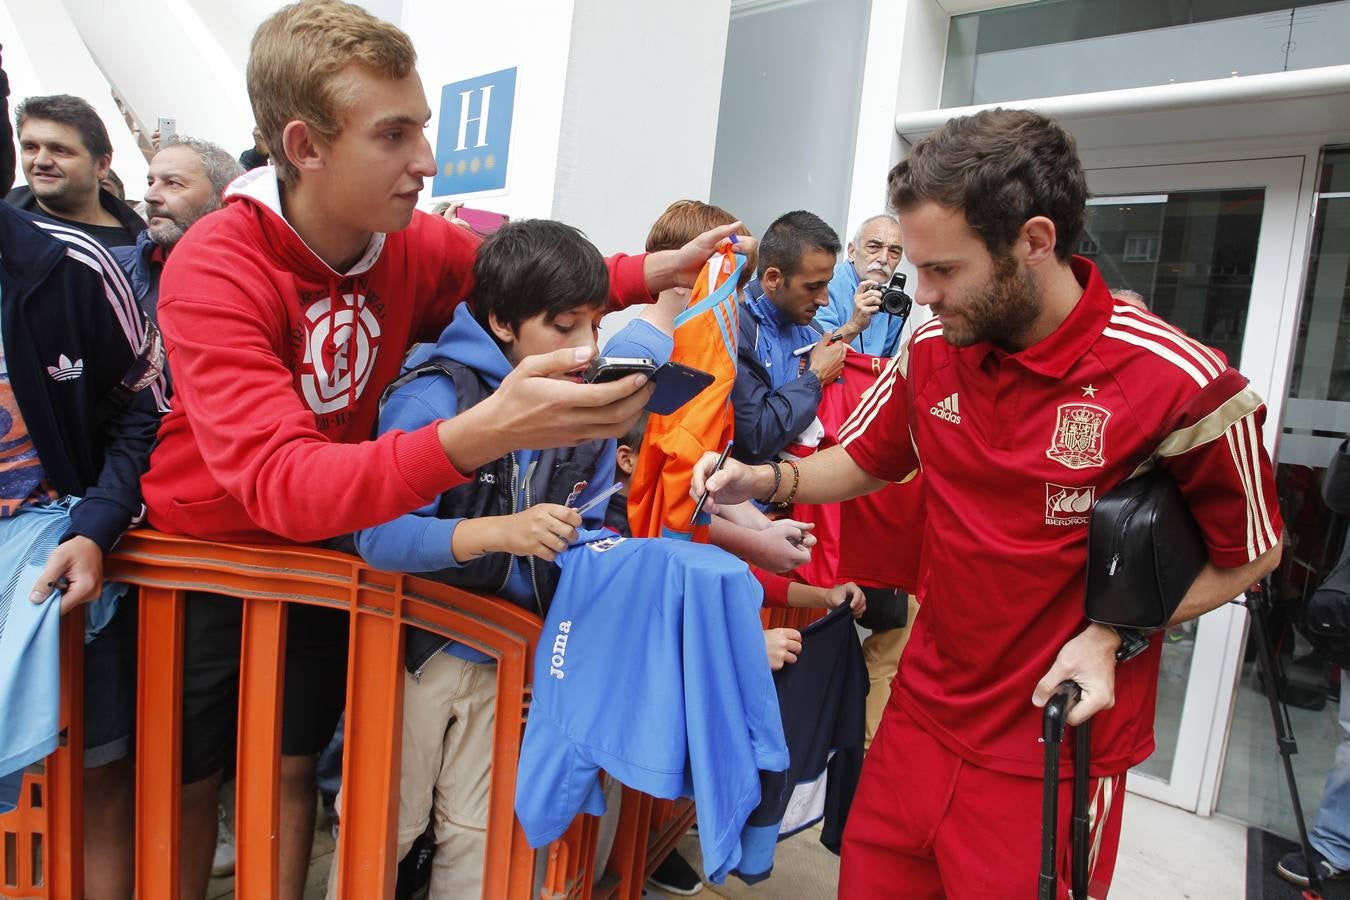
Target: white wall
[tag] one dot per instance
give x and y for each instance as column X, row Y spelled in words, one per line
column 178, row 58
column 639, row 120
column 45, row 54
column 166, row 61
column 906, row 44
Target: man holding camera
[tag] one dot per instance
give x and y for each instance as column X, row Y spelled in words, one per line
column 855, row 309
column 1029, row 382
column 782, row 359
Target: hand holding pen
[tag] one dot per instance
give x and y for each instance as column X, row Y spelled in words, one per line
column 698, row 506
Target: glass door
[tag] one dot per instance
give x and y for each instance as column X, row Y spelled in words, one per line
column 1208, row 248
column 1316, row 419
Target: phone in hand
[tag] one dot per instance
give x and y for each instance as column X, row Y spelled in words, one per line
column 612, row 368
column 167, row 126
column 482, row 221
column 676, row 385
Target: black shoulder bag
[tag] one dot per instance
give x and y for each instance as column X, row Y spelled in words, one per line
column 1144, row 552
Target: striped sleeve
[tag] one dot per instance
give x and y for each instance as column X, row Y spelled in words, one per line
column 1214, row 451
column 120, row 297
column 876, row 435
column 1213, row 442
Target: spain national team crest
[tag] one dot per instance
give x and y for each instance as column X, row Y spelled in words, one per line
column 1079, row 431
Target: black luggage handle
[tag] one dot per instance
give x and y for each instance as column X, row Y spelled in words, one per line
column 1054, row 721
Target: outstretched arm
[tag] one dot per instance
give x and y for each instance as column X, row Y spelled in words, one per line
column 825, row 477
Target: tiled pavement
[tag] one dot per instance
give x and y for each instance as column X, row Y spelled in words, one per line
column 1165, row 853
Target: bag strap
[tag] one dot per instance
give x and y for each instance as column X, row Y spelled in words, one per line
column 470, row 388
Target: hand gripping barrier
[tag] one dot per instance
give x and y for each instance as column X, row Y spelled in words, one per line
column 40, row 842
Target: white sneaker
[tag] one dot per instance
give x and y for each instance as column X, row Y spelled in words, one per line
column 223, row 864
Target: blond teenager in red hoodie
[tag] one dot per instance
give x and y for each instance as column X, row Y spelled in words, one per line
column 285, row 315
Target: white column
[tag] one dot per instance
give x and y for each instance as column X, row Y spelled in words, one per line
column 906, row 48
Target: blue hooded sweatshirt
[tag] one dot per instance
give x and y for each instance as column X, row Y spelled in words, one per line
column 419, row 541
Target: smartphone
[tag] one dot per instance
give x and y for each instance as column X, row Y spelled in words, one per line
column 610, row 368
column 676, row 384
column 482, row 221
column 167, row 127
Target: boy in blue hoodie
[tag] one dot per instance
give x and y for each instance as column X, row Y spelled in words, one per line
column 538, row 286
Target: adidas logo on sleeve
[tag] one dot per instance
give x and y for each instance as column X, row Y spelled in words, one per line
column 949, row 409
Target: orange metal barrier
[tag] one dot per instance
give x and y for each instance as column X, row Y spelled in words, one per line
column 42, row 855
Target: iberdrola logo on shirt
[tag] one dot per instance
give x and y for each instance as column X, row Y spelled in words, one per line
column 342, row 341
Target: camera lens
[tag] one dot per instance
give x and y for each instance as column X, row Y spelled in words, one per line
column 894, row 300
column 897, row 303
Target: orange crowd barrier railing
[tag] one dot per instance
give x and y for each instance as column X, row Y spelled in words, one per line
column 41, row 855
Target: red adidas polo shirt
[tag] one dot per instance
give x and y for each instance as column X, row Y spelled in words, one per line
column 1015, row 448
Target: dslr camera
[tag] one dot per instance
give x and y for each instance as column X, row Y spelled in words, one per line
column 894, row 300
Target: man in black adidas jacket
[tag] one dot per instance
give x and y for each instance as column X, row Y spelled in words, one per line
column 86, row 372
column 84, row 368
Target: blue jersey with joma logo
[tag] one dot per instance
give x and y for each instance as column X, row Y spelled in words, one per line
column 651, row 666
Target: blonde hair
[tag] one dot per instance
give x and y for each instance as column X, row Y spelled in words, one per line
column 294, row 63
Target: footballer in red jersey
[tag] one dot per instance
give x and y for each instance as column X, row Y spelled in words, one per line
column 1030, row 394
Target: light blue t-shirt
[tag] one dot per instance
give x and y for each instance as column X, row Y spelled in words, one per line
column 641, row 338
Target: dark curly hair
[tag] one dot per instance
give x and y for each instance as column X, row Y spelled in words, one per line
column 1000, row 167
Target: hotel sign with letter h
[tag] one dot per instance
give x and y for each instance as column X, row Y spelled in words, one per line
column 474, row 137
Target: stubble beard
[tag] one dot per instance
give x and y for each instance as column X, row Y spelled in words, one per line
column 57, row 198
column 1001, row 313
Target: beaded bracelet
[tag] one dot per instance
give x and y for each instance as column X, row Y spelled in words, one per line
column 796, row 480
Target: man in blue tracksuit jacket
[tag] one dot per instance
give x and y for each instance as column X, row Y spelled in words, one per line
column 776, row 393
column 538, row 286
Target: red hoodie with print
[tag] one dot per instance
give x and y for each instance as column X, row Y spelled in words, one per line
column 278, row 365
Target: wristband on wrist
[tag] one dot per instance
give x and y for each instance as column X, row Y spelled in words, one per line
column 777, row 483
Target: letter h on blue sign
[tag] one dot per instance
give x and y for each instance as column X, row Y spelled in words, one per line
column 474, row 136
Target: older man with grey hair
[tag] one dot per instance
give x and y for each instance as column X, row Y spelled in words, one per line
column 854, row 310
column 186, row 180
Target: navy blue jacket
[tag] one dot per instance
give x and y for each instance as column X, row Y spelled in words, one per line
column 85, row 368
column 772, row 403
column 143, row 272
